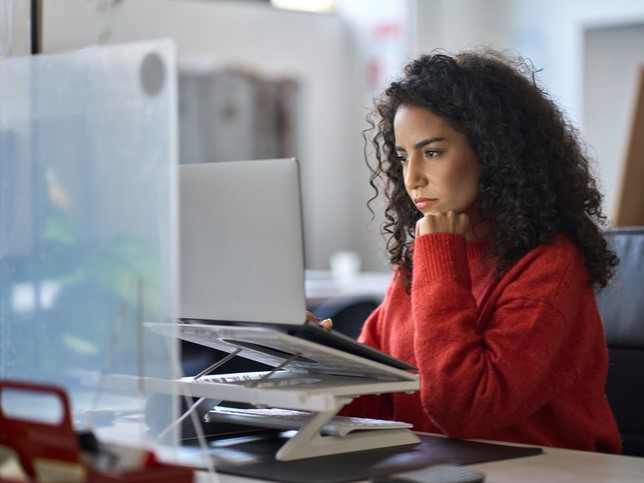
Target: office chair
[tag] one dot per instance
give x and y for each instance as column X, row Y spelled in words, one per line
column 621, row 305
column 347, row 312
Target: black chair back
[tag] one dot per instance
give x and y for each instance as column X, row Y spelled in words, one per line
column 621, row 305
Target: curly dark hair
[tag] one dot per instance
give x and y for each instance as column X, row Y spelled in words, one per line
column 536, row 178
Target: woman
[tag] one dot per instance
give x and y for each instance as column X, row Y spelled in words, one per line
column 493, row 224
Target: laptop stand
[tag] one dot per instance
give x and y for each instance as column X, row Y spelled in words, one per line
column 309, row 442
column 305, row 376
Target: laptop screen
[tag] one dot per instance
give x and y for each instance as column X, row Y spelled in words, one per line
column 241, row 242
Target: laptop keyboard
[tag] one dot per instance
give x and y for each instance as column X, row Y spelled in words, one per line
column 288, row 419
column 259, row 379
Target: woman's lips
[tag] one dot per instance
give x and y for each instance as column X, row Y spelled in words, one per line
column 424, row 203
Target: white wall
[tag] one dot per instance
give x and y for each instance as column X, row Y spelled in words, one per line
column 455, row 25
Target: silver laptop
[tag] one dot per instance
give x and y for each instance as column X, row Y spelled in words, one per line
column 242, row 266
column 241, row 251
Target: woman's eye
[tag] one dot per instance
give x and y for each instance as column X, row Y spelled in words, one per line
column 402, row 158
column 431, row 153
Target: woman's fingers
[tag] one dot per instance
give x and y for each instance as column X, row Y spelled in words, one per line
column 328, row 323
column 449, row 222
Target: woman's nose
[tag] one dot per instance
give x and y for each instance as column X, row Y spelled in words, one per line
column 414, row 176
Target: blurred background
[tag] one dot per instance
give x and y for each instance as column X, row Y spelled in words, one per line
column 87, row 225
column 261, row 79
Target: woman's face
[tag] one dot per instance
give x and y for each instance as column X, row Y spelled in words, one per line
column 440, row 170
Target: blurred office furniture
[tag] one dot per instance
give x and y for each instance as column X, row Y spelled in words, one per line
column 229, row 115
column 621, row 305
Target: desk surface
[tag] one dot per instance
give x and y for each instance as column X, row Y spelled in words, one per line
column 554, row 465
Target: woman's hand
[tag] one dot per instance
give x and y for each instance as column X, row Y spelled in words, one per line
column 327, row 323
column 449, row 222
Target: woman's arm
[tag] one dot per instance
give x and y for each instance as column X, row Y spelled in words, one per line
column 482, row 371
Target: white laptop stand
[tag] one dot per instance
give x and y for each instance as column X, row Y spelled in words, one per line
column 314, row 378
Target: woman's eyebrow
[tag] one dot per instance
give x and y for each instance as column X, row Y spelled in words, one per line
column 422, row 143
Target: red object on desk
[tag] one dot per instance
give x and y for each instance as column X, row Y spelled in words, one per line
column 58, row 442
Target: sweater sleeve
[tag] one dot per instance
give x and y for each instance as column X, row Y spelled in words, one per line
column 478, row 376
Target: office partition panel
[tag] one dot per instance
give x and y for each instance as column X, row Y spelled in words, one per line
column 88, row 231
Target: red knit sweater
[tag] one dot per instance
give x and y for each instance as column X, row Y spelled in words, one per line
column 518, row 359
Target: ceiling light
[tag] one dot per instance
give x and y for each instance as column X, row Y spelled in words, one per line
column 305, row 5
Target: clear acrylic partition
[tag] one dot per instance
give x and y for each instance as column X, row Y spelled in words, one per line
column 87, row 231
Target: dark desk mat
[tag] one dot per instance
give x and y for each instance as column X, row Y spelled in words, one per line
column 260, row 462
